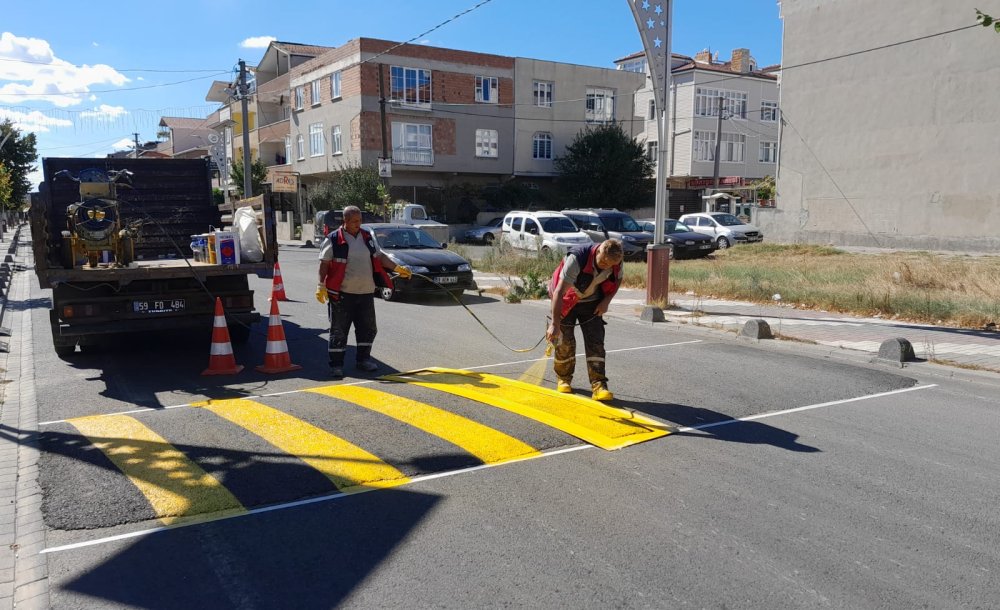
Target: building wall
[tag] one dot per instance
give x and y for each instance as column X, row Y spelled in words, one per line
column 566, row 117
column 896, row 147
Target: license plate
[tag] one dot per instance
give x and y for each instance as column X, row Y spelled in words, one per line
column 705, row 246
column 158, row 306
column 446, row 279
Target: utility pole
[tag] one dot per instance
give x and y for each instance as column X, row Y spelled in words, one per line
column 718, row 144
column 136, row 136
column 385, row 137
column 247, row 170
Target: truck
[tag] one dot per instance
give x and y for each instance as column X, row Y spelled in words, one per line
column 416, row 215
column 112, row 239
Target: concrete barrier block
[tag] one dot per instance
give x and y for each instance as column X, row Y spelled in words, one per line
column 652, row 314
column 756, row 330
column 897, row 350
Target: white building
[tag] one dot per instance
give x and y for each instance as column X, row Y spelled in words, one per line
column 890, row 133
column 748, row 144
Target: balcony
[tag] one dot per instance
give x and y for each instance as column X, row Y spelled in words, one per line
column 413, row 156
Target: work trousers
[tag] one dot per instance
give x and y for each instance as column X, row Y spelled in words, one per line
column 356, row 309
column 593, row 343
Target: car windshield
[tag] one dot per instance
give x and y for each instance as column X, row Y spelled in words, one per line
column 397, row 239
column 556, row 224
column 495, row 222
column 676, row 226
column 727, row 220
column 620, row 223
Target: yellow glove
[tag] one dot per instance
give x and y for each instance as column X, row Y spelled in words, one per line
column 404, row 272
column 321, row 293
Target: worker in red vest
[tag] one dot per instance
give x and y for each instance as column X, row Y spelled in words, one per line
column 581, row 290
column 351, row 267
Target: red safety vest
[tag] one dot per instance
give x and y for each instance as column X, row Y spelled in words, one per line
column 338, row 265
column 586, row 257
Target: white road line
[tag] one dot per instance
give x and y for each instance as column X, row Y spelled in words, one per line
column 363, row 382
column 297, row 503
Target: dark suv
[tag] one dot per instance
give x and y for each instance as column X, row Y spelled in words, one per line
column 328, row 221
column 601, row 224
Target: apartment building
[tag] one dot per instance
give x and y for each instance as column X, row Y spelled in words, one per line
column 889, row 134
column 748, row 144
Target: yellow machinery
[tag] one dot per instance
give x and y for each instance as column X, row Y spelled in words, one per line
column 94, row 233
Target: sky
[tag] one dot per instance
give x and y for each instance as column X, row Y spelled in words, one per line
column 85, row 77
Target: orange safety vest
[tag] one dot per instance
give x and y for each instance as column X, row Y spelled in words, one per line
column 338, row 265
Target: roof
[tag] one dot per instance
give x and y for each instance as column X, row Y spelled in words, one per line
column 297, row 48
column 639, row 54
column 181, row 122
column 723, row 69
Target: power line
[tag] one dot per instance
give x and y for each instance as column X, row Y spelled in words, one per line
column 72, row 93
column 49, row 63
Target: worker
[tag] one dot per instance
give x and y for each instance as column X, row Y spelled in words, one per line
column 351, row 267
column 581, row 290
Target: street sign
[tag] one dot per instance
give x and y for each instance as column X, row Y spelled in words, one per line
column 282, row 182
column 385, row 168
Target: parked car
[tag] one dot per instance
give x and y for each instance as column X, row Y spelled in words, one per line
column 725, row 229
column 328, row 221
column 601, row 224
column 487, row 233
column 424, row 255
column 683, row 242
column 550, row 232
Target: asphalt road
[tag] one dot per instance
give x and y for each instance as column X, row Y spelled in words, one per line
column 791, row 480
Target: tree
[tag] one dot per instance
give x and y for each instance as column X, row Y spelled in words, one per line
column 604, row 167
column 258, row 174
column 18, row 156
column 352, row 184
column 5, row 187
column 986, row 20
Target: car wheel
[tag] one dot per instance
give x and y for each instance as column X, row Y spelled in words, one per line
column 388, row 294
column 546, row 251
column 488, row 239
column 723, row 243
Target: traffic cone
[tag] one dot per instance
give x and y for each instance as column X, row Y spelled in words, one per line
column 276, row 358
column 278, row 289
column 221, row 360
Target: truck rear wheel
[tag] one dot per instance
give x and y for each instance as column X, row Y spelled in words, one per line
column 239, row 334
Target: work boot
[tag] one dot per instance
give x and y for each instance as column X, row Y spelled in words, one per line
column 336, row 372
column 564, row 387
column 367, row 366
column 601, row 392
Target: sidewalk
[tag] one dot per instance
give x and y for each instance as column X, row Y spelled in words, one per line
column 971, row 349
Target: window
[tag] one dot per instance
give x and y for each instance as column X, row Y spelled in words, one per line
column 600, row 105
column 487, row 89
column 731, row 150
column 412, row 144
column 768, row 112
column 543, row 94
column 486, row 143
column 300, row 147
column 335, row 85
column 541, row 147
column 410, row 86
column 316, row 140
column 768, row 152
column 300, row 97
column 288, row 149
column 634, row 65
column 336, row 141
column 704, row 146
column 706, row 103
column 651, row 151
column 652, row 110
column 314, row 93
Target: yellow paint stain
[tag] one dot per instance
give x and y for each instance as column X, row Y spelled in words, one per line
column 175, row 486
column 601, row 425
column 535, row 374
column 489, row 445
column 348, row 466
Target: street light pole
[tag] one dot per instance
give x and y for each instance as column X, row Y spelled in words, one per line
column 247, row 170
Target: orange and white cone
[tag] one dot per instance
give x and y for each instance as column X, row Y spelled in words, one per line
column 278, row 287
column 221, row 360
column 276, row 358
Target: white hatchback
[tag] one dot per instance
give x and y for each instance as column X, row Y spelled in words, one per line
column 542, row 232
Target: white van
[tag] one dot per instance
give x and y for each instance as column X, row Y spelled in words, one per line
column 542, row 232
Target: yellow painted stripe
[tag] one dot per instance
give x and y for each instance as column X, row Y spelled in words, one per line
column 175, row 486
column 489, row 445
column 602, row 425
column 349, row 467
